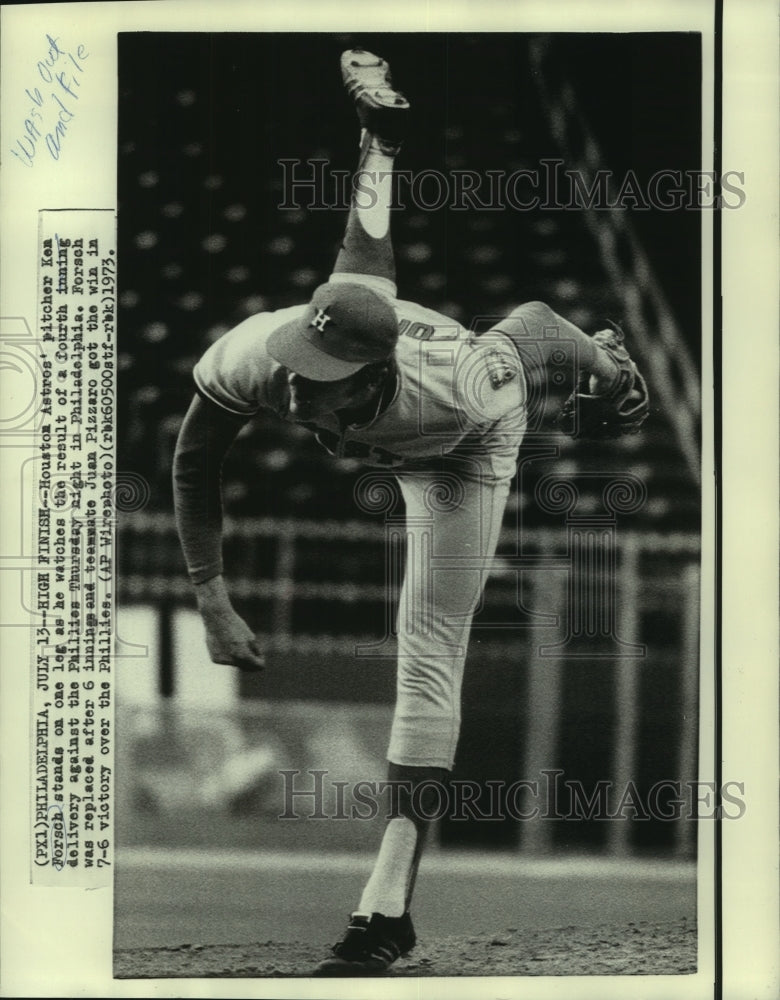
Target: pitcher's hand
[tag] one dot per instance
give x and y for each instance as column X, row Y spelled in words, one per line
column 228, row 637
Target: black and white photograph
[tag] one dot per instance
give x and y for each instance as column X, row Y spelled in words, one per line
column 409, row 363
column 409, row 378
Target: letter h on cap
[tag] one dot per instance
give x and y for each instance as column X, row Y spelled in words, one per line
column 320, row 320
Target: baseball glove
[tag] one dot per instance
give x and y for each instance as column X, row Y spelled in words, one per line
column 621, row 410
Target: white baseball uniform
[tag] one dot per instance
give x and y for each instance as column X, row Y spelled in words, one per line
column 450, row 434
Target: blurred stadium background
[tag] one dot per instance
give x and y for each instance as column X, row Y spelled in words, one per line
column 203, row 122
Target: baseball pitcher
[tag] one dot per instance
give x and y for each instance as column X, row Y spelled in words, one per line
column 406, row 389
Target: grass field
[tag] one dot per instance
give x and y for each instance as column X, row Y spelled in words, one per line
column 274, row 914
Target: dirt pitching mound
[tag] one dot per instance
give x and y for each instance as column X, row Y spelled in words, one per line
column 640, row 948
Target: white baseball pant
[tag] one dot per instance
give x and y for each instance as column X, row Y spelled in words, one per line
column 452, row 526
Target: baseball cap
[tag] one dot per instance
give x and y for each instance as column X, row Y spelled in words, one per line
column 345, row 326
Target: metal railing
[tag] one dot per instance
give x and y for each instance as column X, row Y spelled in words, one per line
column 533, row 590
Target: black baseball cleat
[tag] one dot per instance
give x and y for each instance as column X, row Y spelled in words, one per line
column 381, row 109
column 370, row 946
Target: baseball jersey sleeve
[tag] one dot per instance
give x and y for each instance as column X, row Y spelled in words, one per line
column 490, row 382
column 236, row 371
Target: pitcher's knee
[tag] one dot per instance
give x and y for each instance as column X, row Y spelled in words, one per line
column 531, row 321
column 534, row 314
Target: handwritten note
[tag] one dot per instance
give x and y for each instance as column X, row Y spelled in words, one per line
column 53, row 101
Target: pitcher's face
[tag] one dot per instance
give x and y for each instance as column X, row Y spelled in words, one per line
column 309, row 399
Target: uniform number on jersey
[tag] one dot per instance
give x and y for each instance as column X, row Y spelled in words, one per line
column 359, row 450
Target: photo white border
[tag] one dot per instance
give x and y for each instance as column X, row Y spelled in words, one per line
column 57, row 942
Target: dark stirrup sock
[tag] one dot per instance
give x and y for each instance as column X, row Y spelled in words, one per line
column 416, row 796
column 428, row 784
column 367, row 248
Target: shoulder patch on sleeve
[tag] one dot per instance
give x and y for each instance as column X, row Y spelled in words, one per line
column 499, row 368
column 489, row 379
